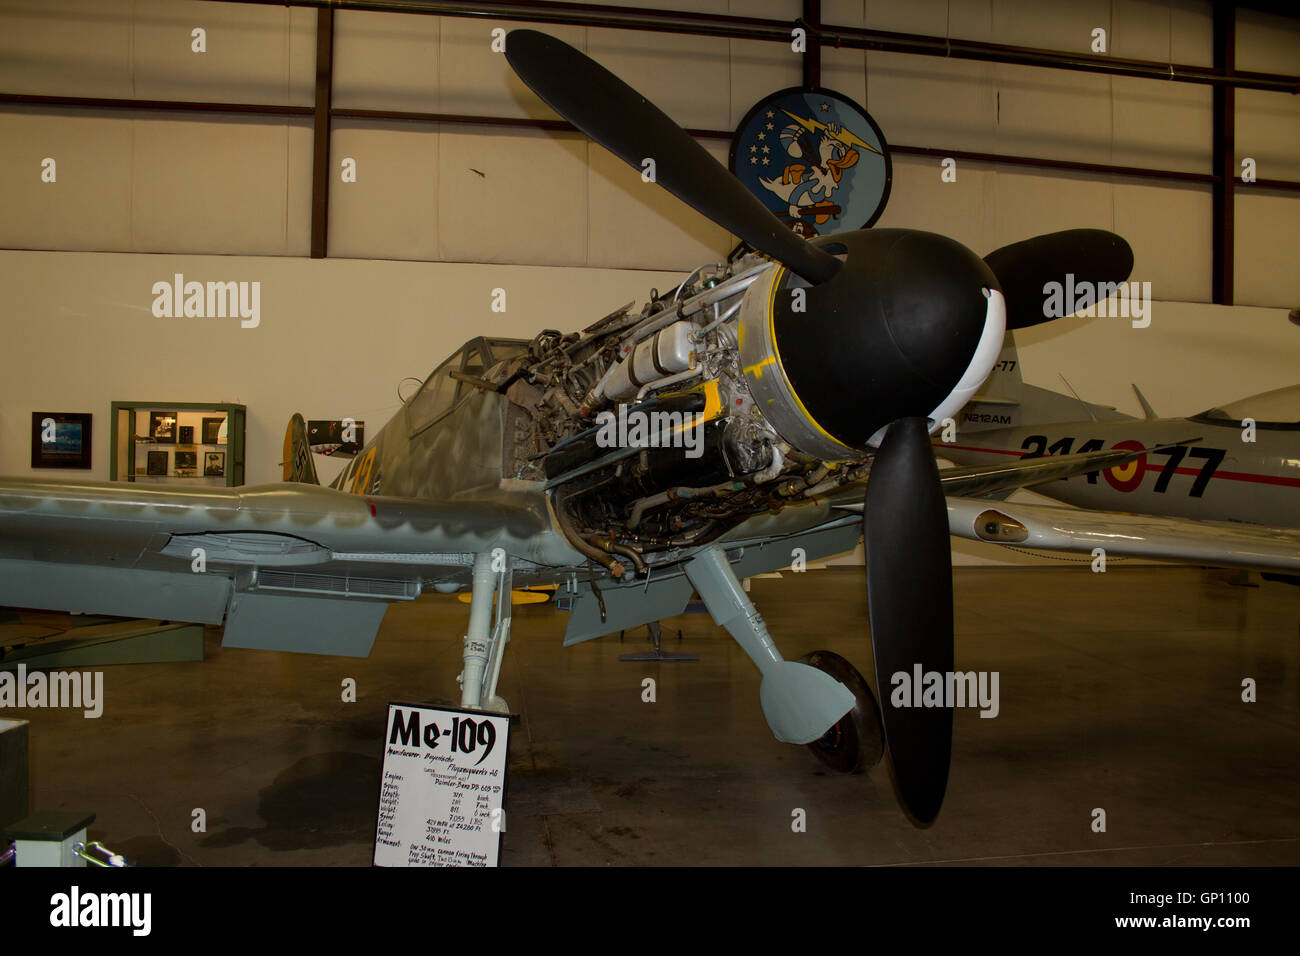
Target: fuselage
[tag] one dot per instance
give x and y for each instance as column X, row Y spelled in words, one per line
column 1218, row 476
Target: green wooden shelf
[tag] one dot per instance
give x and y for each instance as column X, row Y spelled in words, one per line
column 130, row 422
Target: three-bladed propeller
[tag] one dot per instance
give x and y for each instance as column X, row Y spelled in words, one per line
column 1080, row 256
column 909, row 602
column 634, row 129
column 921, row 303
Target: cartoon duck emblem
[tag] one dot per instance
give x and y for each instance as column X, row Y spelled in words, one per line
column 820, row 174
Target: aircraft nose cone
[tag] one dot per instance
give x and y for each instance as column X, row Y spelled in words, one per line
column 890, row 336
column 929, row 293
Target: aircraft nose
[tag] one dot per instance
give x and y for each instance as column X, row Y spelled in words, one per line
column 891, row 335
column 929, row 293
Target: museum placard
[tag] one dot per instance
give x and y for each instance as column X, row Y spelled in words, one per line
column 442, row 793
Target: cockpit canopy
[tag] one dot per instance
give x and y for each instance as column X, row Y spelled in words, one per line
column 1278, row 409
column 440, row 392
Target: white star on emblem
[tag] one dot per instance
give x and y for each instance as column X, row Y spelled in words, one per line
column 754, row 149
column 825, row 107
column 770, row 114
column 766, row 149
column 762, row 136
column 769, row 126
column 753, row 160
column 766, row 160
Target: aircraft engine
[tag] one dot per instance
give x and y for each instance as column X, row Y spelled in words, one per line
column 746, row 390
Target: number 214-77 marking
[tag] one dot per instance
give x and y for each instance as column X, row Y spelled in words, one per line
column 1128, row 477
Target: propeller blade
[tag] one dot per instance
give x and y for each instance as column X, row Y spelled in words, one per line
column 1023, row 268
column 909, row 600
column 634, row 129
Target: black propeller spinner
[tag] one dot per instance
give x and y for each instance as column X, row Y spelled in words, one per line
column 889, row 331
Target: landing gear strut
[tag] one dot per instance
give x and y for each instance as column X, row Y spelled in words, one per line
column 488, row 633
column 856, row 742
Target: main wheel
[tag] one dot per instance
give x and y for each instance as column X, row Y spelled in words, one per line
column 856, row 742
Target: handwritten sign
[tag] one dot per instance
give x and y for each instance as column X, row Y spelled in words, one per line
column 443, row 787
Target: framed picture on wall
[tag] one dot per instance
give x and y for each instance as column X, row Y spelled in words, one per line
column 162, row 426
column 212, row 430
column 60, row 440
column 187, row 459
column 214, row 464
column 157, row 463
column 186, row 434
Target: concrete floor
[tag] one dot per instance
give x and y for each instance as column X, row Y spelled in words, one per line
column 1120, row 691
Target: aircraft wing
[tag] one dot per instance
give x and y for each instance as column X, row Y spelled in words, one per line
column 1001, row 479
column 1172, row 539
column 976, row 480
column 289, row 566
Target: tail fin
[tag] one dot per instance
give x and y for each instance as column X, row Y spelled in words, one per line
column 1004, row 382
column 1006, row 401
column 1147, row 410
column 298, row 464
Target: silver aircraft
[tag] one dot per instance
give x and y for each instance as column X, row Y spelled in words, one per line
column 663, row 450
column 1223, row 489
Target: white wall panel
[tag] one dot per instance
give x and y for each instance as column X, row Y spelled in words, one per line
column 221, row 184
column 474, row 80
column 1030, row 202
column 1268, row 131
column 635, row 221
column 1169, row 228
column 392, row 210
column 919, row 199
column 528, row 206
column 89, row 206
column 73, row 48
column 1050, row 26
column 925, row 101
column 1162, row 125
column 1267, row 42
column 1178, row 31
column 386, row 62
column 1268, row 235
column 687, row 77
column 254, row 54
column 1053, row 114
column 758, row 69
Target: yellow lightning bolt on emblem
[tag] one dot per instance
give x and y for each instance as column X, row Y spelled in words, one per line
column 844, row 135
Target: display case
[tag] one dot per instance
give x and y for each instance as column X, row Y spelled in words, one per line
column 159, row 442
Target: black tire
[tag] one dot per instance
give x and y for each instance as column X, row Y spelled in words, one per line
column 857, row 741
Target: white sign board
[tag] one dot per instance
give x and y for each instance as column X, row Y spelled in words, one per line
column 443, row 787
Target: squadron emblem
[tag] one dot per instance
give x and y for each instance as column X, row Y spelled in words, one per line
column 816, row 159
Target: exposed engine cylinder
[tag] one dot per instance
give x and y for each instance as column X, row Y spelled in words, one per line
column 667, row 352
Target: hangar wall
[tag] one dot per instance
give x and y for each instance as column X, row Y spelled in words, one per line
column 148, row 182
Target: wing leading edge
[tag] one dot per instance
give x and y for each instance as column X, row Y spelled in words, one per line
column 288, row 566
column 1172, row 539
